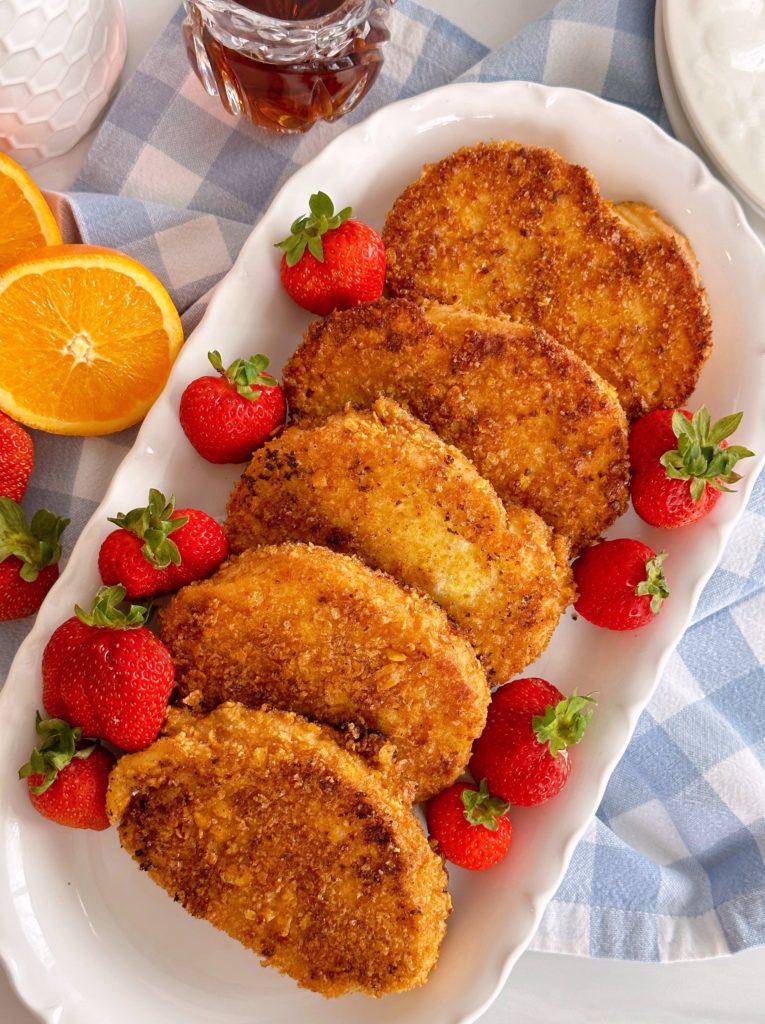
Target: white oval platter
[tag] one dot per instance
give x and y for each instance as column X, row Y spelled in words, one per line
column 86, row 936
column 717, row 55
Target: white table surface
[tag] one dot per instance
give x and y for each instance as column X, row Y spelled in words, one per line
column 543, row 988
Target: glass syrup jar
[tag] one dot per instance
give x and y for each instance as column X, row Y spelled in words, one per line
column 287, row 64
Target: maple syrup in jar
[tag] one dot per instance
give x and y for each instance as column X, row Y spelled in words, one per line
column 286, row 64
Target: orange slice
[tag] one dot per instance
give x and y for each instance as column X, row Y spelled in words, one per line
column 27, row 222
column 87, row 339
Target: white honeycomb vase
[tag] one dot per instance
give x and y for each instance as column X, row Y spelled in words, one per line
column 59, row 62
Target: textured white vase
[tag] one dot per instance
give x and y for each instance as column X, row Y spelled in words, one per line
column 59, row 62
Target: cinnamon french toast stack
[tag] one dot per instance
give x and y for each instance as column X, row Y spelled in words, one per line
column 305, row 629
column 543, row 428
column 508, row 229
column 399, row 547
column 382, row 485
column 376, row 582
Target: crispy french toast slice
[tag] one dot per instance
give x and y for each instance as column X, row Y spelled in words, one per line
column 306, row 629
column 505, row 228
column 261, row 823
column 382, row 485
column 543, row 428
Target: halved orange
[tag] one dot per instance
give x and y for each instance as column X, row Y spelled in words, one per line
column 87, row 339
column 27, row 222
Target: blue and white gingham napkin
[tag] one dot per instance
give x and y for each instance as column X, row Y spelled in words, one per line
column 672, row 867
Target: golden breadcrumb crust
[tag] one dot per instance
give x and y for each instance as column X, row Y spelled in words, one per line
column 259, row 822
column 381, row 485
column 306, row 629
column 507, row 228
column 543, row 428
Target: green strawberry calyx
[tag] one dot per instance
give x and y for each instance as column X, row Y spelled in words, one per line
column 106, row 611
column 245, row 375
column 37, row 544
column 58, row 745
column 699, row 457
column 563, row 724
column 305, row 232
column 654, row 585
column 153, row 524
column 481, row 808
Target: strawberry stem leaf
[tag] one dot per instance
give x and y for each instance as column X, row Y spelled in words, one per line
column 217, row 361
column 36, row 544
column 153, row 524
column 58, row 745
column 698, row 457
column 481, row 808
column 563, row 724
column 307, row 232
column 106, row 611
column 654, row 584
column 245, row 375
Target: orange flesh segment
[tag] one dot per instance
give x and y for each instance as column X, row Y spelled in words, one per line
column 97, row 337
column 27, row 223
column 88, row 340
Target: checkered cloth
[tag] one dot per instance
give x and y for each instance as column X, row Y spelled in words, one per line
column 672, row 867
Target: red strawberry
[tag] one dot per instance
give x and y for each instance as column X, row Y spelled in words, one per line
column 29, row 554
column 621, row 584
column 18, row 598
column 680, row 464
column 470, row 826
column 227, row 417
column 331, row 262
column 16, row 458
column 202, row 546
column 121, row 560
column 115, row 679
column 522, row 751
column 142, row 557
column 67, row 782
column 652, row 435
column 63, row 639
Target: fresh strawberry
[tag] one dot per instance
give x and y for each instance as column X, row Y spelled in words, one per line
column 18, row 598
column 522, row 752
column 202, row 546
column 143, row 557
column 29, row 555
column 621, row 584
column 121, row 560
column 470, row 826
column 331, row 262
column 67, row 781
column 63, row 639
column 115, row 679
column 16, row 458
column 227, row 417
column 681, row 464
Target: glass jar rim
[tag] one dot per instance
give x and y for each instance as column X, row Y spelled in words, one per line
column 282, row 42
column 255, row 19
